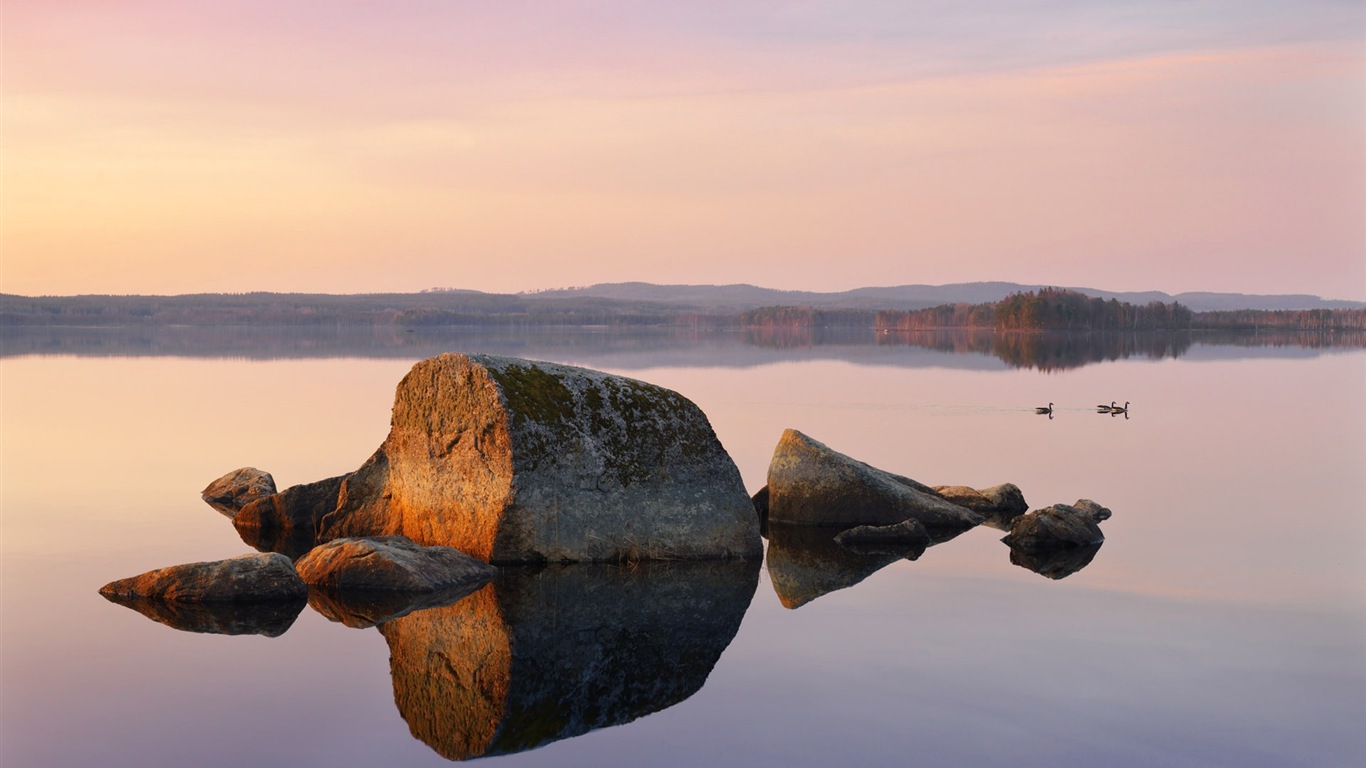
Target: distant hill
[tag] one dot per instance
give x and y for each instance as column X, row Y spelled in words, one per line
column 741, row 297
column 616, row 304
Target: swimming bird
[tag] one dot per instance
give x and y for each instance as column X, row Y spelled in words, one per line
column 1105, row 408
column 1048, row 410
column 1118, row 409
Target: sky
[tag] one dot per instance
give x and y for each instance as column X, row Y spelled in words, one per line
column 163, row 147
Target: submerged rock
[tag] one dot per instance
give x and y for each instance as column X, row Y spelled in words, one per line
column 1057, row 527
column 248, row 578
column 238, row 488
column 390, row 563
column 546, row 654
column 810, row 484
column 516, row 461
column 271, row 618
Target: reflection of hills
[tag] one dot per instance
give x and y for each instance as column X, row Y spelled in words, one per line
column 634, row 348
column 1047, row 350
column 543, row 655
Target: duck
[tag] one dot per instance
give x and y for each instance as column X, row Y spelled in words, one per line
column 1048, row 410
column 1106, row 408
column 1120, row 409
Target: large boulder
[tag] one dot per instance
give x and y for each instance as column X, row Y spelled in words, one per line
column 248, row 578
column 1057, row 527
column 810, row 484
column 516, row 461
column 238, row 488
column 390, row 563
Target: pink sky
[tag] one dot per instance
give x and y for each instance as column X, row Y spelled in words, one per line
column 165, row 147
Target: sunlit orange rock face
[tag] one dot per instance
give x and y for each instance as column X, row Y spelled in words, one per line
column 548, row 654
column 516, row 461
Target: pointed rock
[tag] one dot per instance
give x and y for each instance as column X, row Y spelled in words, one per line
column 810, row 484
column 248, row 578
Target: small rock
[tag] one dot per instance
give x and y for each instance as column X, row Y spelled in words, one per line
column 393, row 563
column 240, row 487
column 1004, row 500
column 1096, row 511
column 1055, row 527
column 247, row 578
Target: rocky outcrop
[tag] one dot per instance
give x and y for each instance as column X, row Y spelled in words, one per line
column 907, row 533
column 1060, row 526
column 290, row 513
column 271, row 618
column 249, row 578
column 546, row 654
column 390, row 563
column 516, row 461
column 810, row 484
column 238, row 488
column 1001, row 502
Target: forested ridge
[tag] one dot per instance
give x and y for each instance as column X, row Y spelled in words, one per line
column 1049, row 309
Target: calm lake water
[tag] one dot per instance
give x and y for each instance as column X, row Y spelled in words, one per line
column 1223, row 622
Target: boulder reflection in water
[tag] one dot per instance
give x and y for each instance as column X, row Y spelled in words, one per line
column 546, row 654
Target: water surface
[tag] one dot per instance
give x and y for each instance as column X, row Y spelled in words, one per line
column 1223, row 622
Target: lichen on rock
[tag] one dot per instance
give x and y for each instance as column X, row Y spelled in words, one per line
column 511, row 460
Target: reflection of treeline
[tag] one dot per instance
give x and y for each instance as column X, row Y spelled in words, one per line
column 1046, row 351
column 806, row 317
column 1300, row 320
column 1046, row 310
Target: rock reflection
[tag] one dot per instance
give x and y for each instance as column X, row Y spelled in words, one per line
column 541, row 655
column 271, row 619
column 1057, row 563
column 805, row 562
column 293, row 543
column 360, row 609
